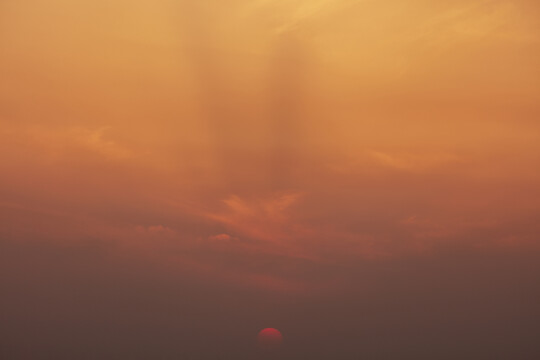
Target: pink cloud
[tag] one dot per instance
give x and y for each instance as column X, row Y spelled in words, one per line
column 222, row 238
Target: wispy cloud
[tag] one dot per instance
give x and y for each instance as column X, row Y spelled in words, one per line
column 264, row 219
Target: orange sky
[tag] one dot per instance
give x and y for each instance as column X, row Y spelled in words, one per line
column 271, row 144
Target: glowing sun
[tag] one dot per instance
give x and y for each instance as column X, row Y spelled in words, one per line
column 270, row 339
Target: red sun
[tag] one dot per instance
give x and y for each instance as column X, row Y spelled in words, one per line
column 269, row 339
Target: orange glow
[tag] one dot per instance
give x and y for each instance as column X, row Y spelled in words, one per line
column 270, row 339
column 316, row 132
column 175, row 174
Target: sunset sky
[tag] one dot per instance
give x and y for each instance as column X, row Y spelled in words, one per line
column 176, row 175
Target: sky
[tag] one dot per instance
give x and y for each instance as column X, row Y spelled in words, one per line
column 177, row 175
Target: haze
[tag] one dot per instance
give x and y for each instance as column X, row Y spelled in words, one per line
column 176, row 176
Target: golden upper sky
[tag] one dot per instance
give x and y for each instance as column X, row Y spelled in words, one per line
column 222, row 135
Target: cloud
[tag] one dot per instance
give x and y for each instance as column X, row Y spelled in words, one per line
column 63, row 140
column 58, row 144
column 222, row 238
column 265, row 219
column 413, row 161
column 155, row 229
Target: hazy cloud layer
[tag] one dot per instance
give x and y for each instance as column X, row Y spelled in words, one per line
column 362, row 175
